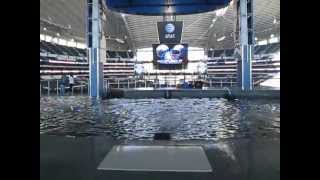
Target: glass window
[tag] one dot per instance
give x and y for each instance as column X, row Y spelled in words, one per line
column 263, row 42
column 144, row 54
column 195, row 53
column 273, row 40
column 81, row 45
column 42, row 37
column 63, row 42
column 71, row 43
column 48, row 38
column 55, row 40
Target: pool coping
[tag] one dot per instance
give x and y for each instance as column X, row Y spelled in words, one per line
column 193, row 93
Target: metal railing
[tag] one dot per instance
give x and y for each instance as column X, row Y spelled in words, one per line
column 51, row 87
column 152, row 83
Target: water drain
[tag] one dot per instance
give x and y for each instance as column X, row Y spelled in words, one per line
column 162, row 136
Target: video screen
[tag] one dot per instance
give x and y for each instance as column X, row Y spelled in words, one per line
column 170, row 53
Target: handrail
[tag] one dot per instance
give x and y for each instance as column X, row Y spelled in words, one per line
column 47, row 86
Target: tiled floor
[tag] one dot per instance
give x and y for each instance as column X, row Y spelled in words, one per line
column 69, row 158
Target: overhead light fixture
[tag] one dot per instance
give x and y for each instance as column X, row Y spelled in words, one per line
column 273, row 40
column 58, row 34
column 262, row 42
column 221, row 39
column 129, row 50
column 115, row 39
column 214, row 20
column 119, row 40
column 169, row 10
column 44, row 28
column 222, row 11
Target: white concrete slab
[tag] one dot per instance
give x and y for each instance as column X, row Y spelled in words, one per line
column 156, row 158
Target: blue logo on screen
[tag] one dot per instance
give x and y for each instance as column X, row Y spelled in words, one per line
column 169, row 28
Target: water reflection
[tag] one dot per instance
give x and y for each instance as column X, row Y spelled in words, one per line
column 204, row 119
column 224, row 147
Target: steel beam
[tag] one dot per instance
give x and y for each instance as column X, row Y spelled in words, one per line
column 245, row 13
column 94, row 43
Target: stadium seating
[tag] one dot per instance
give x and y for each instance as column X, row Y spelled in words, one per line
column 229, row 52
column 221, row 65
column 47, row 47
column 210, row 53
column 52, row 64
column 218, row 53
column 130, row 55
column 222, row 70
column 111, row 54
column 258, row 50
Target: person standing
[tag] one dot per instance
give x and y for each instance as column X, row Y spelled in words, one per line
column 71, row 82
column 63, row 83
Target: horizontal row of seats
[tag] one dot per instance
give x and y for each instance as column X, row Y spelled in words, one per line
column 262, row 69
column 120, row 54
column 53, row 48
column 258, row 50
column 115, row 69
column 46, row 58
column 267, row 49
column 221, row 52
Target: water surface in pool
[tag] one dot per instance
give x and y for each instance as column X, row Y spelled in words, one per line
column 202, row 119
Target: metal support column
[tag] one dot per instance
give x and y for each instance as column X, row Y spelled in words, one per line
column 57, row 87
column 48, row 87
column 95, row 43
column 245, row 18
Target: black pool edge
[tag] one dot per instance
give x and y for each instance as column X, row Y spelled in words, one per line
column 193, row 93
